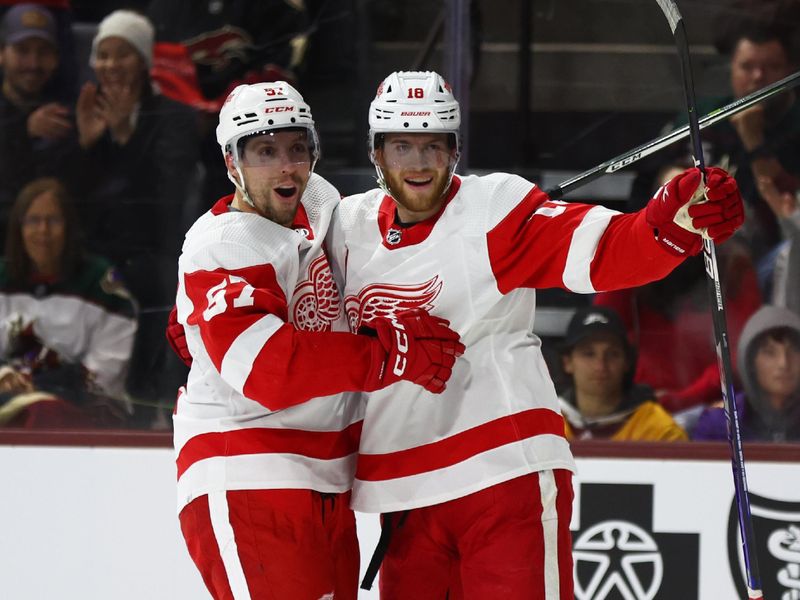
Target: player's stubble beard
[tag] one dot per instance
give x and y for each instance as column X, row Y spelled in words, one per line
column 271, row 206
column 418, row 201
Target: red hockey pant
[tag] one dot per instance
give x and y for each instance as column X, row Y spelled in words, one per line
column 508, row 542
column 274, row 544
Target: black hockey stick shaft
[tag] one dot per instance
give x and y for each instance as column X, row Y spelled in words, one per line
column 721, row 338
column 632, row 156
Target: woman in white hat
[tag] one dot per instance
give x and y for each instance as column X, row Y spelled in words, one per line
column 140, row 151
column 139, row 156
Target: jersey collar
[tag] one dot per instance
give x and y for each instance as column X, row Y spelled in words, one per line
column 396, row 235
column 301, row 222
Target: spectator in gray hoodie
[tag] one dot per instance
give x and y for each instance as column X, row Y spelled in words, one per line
column 769, row 365
column 785, row 283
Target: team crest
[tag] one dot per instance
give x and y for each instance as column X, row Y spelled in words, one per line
column 776, row 525
column 315, row 302
column 384, row 300
column 393, row 236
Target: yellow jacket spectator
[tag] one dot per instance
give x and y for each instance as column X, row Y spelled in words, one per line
column 601, row 401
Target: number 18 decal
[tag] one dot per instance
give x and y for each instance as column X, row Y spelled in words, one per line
column 416, row 93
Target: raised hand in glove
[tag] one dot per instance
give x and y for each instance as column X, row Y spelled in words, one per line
column 418, row 347
column 176, row 336
column 683, row 211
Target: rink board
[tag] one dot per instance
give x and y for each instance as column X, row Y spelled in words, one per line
column 99, row 522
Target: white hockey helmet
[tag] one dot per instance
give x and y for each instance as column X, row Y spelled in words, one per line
column 414, row 102
column 261, row 108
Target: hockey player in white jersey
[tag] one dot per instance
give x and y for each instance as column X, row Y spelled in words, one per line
column 266, row 443
column 476, row 488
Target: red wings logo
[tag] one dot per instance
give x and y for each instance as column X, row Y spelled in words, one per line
column 383, row 300
column 315, row 303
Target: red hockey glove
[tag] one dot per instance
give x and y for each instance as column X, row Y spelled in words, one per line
column 418, row 347
column 176, row 336
column 683, row 211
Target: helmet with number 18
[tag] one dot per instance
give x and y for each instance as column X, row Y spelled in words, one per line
column 259, row 109
column 414, row 102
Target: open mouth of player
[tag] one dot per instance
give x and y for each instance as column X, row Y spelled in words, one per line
column 418, row 182
column 286, row 192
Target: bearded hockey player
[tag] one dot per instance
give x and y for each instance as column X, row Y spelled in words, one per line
column 266, row 443
column 475, row 488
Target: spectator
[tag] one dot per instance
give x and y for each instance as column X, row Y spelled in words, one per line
column 784, row 288
column 66, row 322
column 36, row 128
column 769, row 364
column 762, row 141
column 66, row 78
column 669, row 322
column 602, row 402
column 140, row 154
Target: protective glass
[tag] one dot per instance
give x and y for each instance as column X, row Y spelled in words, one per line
column 409, row 154
column 276, row 150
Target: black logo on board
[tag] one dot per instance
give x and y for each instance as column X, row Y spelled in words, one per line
column 617, row 554
column 776, row 527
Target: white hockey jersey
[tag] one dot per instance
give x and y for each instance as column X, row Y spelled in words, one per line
column 87, row 318
column 476, row 263
column 248, row 289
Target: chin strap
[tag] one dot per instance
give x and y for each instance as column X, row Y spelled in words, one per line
column 241, row 187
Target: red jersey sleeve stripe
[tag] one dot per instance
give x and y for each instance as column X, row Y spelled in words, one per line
column 322, row 445
column 460, row 447
column 629, row 255
column 295, row 366
column 530, row 246
column 578, row 247
column 226, row 303
column 582, row 249
column 241, row 355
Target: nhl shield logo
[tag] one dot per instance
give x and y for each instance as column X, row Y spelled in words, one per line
column 393, row 236
column 303, row 231
column 776, row 525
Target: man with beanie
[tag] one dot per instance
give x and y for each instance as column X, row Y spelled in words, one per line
column 601, row 401
column 36, row 127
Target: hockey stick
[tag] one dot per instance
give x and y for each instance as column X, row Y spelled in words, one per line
column 670, row 10
column 653, row 146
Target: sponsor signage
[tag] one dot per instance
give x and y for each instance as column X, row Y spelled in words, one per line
column 657, row 528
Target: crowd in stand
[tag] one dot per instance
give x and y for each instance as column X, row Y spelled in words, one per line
column 117, row 162
column 100, row 178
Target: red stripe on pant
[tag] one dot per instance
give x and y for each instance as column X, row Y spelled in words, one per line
column 296, row 544
column 564, row 501
column 489, row 545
